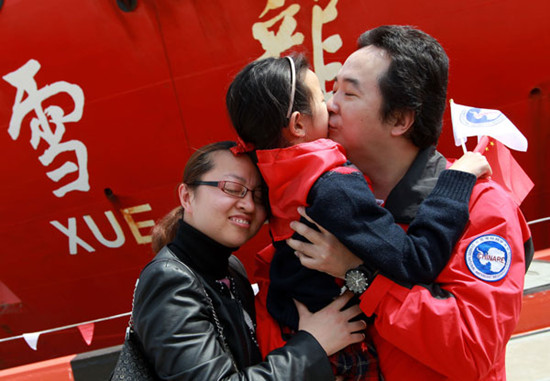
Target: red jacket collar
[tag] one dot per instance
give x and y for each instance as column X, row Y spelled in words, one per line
column 290, row 173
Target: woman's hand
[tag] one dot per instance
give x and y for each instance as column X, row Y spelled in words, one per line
column 331, row 326
column 325, row 253
column 474, row 163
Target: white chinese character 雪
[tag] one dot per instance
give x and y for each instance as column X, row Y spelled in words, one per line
column 41, row 125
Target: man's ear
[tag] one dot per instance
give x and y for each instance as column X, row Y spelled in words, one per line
column 185, row 196
column 402, row 122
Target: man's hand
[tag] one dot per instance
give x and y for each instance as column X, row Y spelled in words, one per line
column 325, row 253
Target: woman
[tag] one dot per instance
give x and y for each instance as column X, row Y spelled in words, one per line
column 277, row 107
column 193, row 308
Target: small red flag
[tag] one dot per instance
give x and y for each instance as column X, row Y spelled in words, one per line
column 87, row 332
column 506, row 170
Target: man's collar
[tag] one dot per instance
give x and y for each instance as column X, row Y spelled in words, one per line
column 404, row 200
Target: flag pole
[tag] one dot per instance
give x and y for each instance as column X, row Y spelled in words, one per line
column 464, row 149
column 482, row 144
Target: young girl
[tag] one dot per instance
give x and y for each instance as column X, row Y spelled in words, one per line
column 277, row 107
column 193, row 311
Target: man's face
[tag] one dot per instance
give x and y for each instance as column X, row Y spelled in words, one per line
column 354, row 111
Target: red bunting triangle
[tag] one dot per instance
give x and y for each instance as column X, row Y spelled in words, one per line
column 87, row 332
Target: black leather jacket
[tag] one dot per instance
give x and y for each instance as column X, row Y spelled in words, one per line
column 174, row 322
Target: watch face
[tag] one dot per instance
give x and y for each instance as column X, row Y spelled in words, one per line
column 356, row 281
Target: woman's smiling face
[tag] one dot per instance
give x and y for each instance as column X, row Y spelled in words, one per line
column 229, row 220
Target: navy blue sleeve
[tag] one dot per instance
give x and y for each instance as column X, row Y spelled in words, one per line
column 344, row 205
column 290, row 280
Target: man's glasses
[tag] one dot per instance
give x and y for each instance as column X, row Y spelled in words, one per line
column 235, row 189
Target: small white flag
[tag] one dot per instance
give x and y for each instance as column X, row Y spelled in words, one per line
column 474, row 121
column 32, row 339
column 255, row 288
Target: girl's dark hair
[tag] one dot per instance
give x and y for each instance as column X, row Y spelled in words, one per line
column 198, row 164
column 258, row 100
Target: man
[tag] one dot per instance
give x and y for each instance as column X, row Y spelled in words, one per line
column 387, row 109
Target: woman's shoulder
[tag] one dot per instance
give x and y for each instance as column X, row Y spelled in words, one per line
column 236, row 264
column 166, row 265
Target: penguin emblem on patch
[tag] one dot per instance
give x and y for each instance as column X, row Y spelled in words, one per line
column 489, row 257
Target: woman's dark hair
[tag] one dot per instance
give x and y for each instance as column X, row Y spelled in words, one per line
column 258, row 100
column 198, row 164
column 415, row 80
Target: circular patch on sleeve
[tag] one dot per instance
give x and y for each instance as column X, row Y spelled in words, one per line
column 489, row 257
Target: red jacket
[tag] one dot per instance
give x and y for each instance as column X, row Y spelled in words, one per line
column 459, row 328
column 268, row 330
column 290, row 173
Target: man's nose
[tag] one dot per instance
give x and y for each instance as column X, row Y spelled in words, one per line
column 332, row 107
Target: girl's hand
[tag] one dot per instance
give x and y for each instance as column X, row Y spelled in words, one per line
column 474, row 163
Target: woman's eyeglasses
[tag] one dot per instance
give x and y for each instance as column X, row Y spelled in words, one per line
column 235, row 189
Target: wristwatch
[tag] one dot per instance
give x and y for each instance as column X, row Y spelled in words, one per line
column 359, row 279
